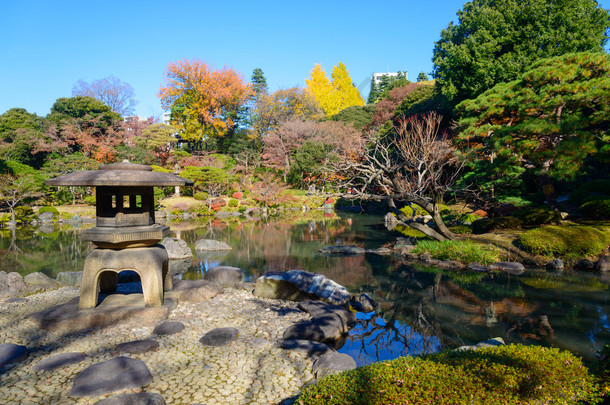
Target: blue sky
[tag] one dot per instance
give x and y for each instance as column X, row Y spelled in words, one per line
column 48, row 45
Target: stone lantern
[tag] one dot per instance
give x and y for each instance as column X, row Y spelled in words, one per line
column 126, row 235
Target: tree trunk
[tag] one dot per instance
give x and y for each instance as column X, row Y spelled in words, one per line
column 441, row 233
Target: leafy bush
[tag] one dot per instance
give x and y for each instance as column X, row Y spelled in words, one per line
column 596, row 209
column 537, row 216
column 590, row 191
column 601, row 368
column 90, row 199
column 5, row 218
column 513, row 374
column 50, row 209
column 242, row 209
column 233, row 202
column 201, row 196
column 461, row 229
column 23, row 213
column 201, row 210
column 463, row 251
column 569, row 241
column 486, row 225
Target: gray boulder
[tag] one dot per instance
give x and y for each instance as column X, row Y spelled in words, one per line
column 554, row 265
column 194, row 290
column 46, row 217
column 177, row 248
column 11, row 353
column 109, row 376
column 603, row 264
column 59, row 360
column 498, row 341
column 332, row 363
column 304, row 331
column 179, row 266
column 584, row 264
column 348, row 250
column 382, row 251
column 478, row 267
column 71, row 278
column 226, row 276
column 133, row 398
column 40, row 282
column 319, row 308
column 390, row 221
column 169, row 328
column 11, row 284
column 363, row 303
column 515, row 268
column 310, row 347
column 220, row 337
column 298, row 285
column 138, row 346
column 211, row 244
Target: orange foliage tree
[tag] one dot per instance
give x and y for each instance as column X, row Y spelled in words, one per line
column 204, row 102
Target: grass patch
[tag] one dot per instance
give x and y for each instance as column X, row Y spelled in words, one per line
column 513, row 374
column 463, row 251
column 568, row 241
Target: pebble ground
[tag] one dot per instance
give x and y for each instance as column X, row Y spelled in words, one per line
column 251, row 370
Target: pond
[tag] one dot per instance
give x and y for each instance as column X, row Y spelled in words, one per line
column 421, row 309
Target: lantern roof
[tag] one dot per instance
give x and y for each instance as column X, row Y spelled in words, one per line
column 120, row 174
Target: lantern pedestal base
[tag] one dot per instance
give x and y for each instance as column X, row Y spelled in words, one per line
column 102, row 267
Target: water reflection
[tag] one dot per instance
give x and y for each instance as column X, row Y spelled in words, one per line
column 421, row 309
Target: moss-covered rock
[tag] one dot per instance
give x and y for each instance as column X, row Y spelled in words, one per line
column 571, row 241
column 486, row 225
column 537, row 216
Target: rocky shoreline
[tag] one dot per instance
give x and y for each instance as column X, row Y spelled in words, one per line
column 252, row 369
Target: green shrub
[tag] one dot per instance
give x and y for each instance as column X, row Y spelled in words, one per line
column 590, row 191
column 572, row 241
column 537, row 216
column 201, row 196
column 513, row 374
column 90, row 199
column 50, row 209
column 463, row 251
column 23, row 213
column 242, row 209
column 596, row 209
column 601, row 368
column 233, row 202
column 5, row 218
column 486, row 225
column 461, row 229
column 201, row 210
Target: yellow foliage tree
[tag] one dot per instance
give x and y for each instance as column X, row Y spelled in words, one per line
column 203, row 101
column 336, row 95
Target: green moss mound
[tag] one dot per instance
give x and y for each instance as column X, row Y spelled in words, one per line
column 537, row 216
column 486, row 225
column 513, row 374
column 463, row 251
column 596, row 209
column 461, row 229
column 565, row 240
column 50, row 209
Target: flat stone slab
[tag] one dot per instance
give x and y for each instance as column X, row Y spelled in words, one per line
column 169, row 328
column 320, row 308
column 211, row 244
column 304, row 331
column 478, row 267
column 382, row 251
column 515, row 268
column 194, row 290
column 11, row 353
column 349, row 250
column 59, row 360
column 138, row 346
column 332, row 363
column 136, row 398
column 305, row 346
column 110, row 376
column 498, row 341
column 219, row 337
column 68, row 318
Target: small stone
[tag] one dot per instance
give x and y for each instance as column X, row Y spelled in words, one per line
column 219, row 337
column 348, row 250
column 211, row 244
column 332, row 363
column 584, row 264
column 59, row 360
column 304, row 331
column 226, row 276
column 515, row 268
column 477, row 267
column 305, row 346
column 169, row 328
column 138, row 346
column 363, row 302
column 11, row 353
column 603, row 264
column 109, row 376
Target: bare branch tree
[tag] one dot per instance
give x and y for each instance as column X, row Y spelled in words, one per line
column 117, row 95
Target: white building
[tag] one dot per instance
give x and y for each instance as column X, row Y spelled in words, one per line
column 166, row 117
column 378, row 76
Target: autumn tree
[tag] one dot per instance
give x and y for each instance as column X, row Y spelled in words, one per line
column 336, row 94
column 494, row 41
column 204, row 102
column 117, row 95
column 549, row 121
